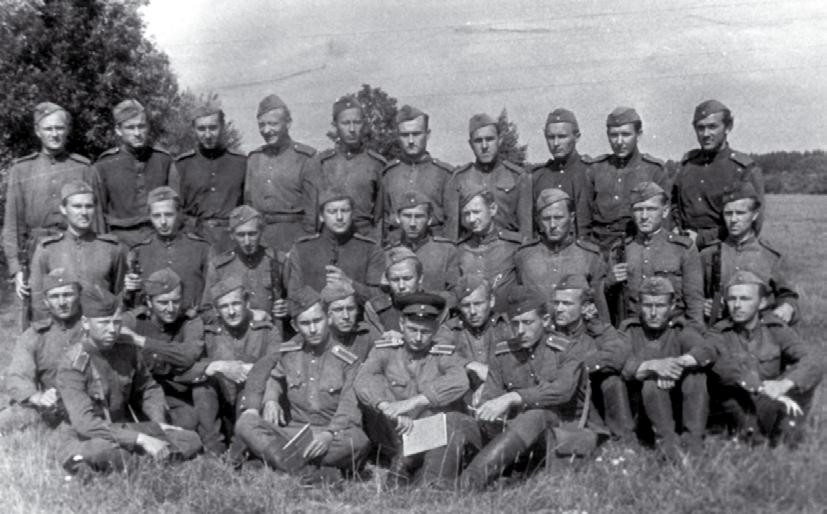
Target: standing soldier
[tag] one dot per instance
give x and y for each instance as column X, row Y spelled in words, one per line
column 33, row 197
column 415, row 169
column 353, row 168
column 566, row 170
column 212, row 178
column 278, row 178
column 130, row 171
column 704, row 174
column 509, row 183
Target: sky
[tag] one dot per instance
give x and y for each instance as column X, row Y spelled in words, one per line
column 452, row 59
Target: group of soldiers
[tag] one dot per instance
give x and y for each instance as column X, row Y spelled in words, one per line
column 218, row 303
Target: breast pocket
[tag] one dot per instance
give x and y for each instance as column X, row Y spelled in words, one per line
column 332, row 382
column 769, row 360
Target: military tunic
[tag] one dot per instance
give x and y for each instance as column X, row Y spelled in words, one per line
column 426, row 175
column 382, row 313
column 438, row 256
column 185, row 253
column 490, row 257
column 569, row 175
column 260, row 272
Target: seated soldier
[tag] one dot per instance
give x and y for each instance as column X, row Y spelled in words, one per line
column 97, row 379
column 312, row 377
column 766, row 374
column 341, row 309
column 533, row 384
column 31, row 377
column 408, row 379
column 403, row 274
column 666, row 373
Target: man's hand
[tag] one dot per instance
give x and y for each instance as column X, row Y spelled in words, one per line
column 134, row 338
column 664, row 368
column 402, row 407
column 165, row 427
column 776, row 388
column 280, row 309
column 686, row 361
column 792, row 407
column 21, row 287
column 259, row 315
column 479, row 369
column 154, row 447
column 404, row 425
column 589, row 311
column 693, row 235
column 335, row 274
column 132, row 282
column 784, row 311
column 665, row 384
column 392, row 335
column 235, row 371
column 318, row 446
column 45, row 399
column 708, row 307
column 273, row 414
column 498, row 408
column 620, row 272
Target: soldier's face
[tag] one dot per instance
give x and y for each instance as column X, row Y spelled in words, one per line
column 166, row 307
column 712, row 132
column 623, row 139
column 164, row 217
column 134, row 132
column 312, row 325
column 739, row 216
column 656, row 310
column 208, row 131
column 341, row 314
column 414, row 220
column 476, row 307
column 350, row 126
column 273, row 126
column 561, row 139
column 104, row 331
column 478, row 216
column 485, row 143
column 403, row 277
column 337, row 216
column 555, row 221
column 53, row 131
column 568, row 307
column 529, row 327
column 232, row 307
column 417, row 332
column 79, row 210
column 413, row 136
column 650, row 214
column 62, row 301
column 744, row 302
column 247, row 236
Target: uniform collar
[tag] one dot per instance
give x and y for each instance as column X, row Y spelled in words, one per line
column 348, row 152
column 278, row 146
column 415, row 245
column 624, row 163
column 576, row 331
column 140, row 154
column 486, row 238
column 747, row 241
column 647, row 239
column 338, row 239
column 215, row 153
column 558, row 247
column 708, row 156
column 425, row 157
column 54, row 158
column 86, row 236
column 251, row 261
column 490, row 166
column 564, row 163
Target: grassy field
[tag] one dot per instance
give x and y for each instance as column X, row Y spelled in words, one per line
column 730, row 478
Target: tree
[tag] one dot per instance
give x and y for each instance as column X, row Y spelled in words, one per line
column 510, row 147
column 380, row 113
column 177, row 134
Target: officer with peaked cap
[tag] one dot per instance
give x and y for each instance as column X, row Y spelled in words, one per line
column 130, row 171
column 705, row 173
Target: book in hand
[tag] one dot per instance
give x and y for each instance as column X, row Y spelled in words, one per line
column 427, row 434
column 291, row 453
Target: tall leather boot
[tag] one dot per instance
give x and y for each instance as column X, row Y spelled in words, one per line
column 492, row 460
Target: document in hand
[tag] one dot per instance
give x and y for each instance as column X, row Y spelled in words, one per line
column 427, row 434
column 291, row 452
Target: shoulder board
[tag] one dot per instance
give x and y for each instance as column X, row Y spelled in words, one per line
column 442, row 239
column 109, row 238
column 269, row 252
column 26, row 157
column 233, row 151
column 628, row 323
column 344, row 354
column 588, row 246
column 185, row 155
column 213, row 328
column 42, row 325
column 361, row 237
column 531, row 168
column 51, row 239
column 146, row 241
column 195, row 237
column 585, row 158
column 600, row 158
column 464, row 238
column 684, row 241
column 327, row 154
column 768, row 319
column 558, row 342
column 691, row 154
column 256, row 150
column 79, row 158
column 463, row 168
column 513, row 167
column 741, row 158
column 503, row 347
column 161, row 149
column 381, row 302
column 304, row 149
column 111, row 151
column 292, row 345
column 530, row 242
column 224, row 258
column 390, row 165
column 377, row 156
column 387, row 343
column 308, row 238
column 654, row 160
column 767, row 246
column 442, row 349
column 723, row 325
column 513, row 237
column 442, row 164
column 78, row 357
column 261, row 324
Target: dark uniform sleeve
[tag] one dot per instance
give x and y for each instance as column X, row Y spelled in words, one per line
column 375, row 268
column 22, row 371
column 181, row 354
column 311, row 171
column 450, row 204
column 293, row 273
column 12, row 220
column 692, row 282
column 257, row 380
column 803, row 362
column 700, row 348
column 613, row 350
column 371, row 386
column 558, row 388
column 782, row 288
column 525, row 206
column 37, row 270
column 450, row 386
column 153, row 402
column 756, row 176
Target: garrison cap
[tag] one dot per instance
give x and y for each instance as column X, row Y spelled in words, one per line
column 161, row 193
column 96, row 302
column 44, row 109
column 207, row 109
column 622, row 116
column 161, row 282
column 561, row 115
column 657, row 286
column 75, row 187
column 522, row 299
column 707, row 108
column 413, row 198
column 346, row 102
column 268, row 103
column 468, row 284
column 398, row 254
column 550, row 196
column 644, row 191
column 224, row 286
column 303, row 299
column 336, row 290
column 127, row 109
column 333, row 193
column 740, row 190
column 421, row 304
column 241, row 215
column 573, row 281
column 59, row 277
column 746, row 277
column 472, row 191
column 408, row 113
column 479, row 121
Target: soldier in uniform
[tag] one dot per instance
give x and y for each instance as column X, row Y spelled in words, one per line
column 566, row 169
column 31, row 377
column 403, row 274
column 312, row 377
column 415, row 169
column 353, row 168
column 411, row 378
column 278, row 182
column 130, row 171
column 766, row 374
column 97, row 379
column 342, row 310
column 533, row 384
column 743, row 249
column 95, row 259
column 337, row 253
column 509, row 183
column 655, row 251
column 168, row 246
column 212, row 178
column 33, row 198
column 436, row 253
column 666, row 372
column 542, row 262
column 704, row 173
column 611, row 177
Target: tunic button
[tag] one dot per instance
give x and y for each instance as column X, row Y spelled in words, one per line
column 212, row 189
column 617, row 197
column 311, row 379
